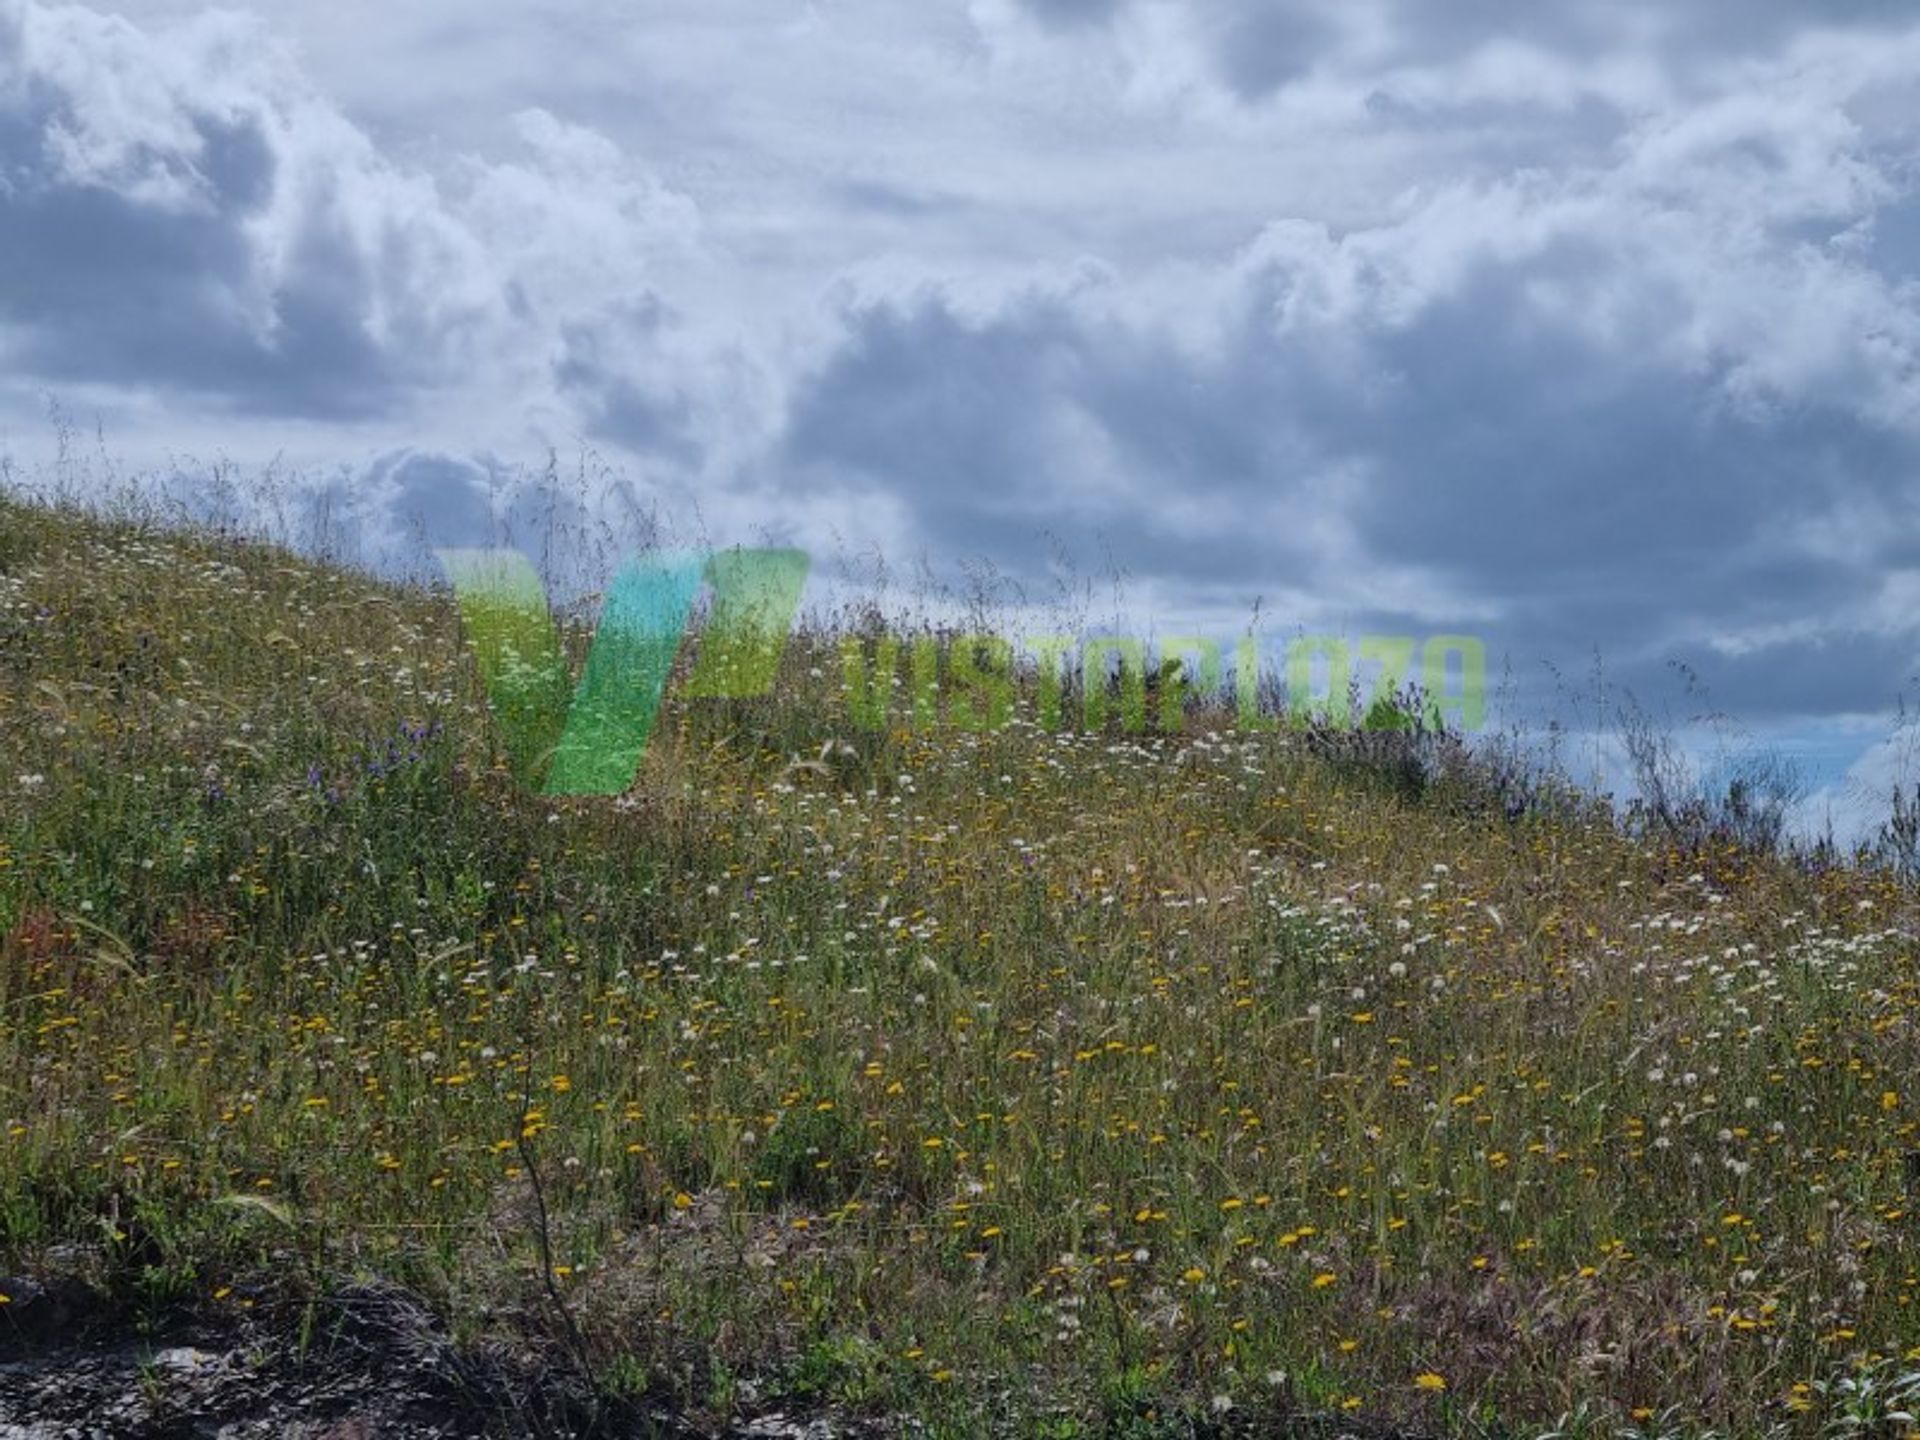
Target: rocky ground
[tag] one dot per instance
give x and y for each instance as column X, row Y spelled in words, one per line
column 373, row 1365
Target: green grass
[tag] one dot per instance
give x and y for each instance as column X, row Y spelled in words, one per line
column 1081, row 1080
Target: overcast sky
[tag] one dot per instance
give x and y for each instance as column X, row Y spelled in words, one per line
column 1583, row 327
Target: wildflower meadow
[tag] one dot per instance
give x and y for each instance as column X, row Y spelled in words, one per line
column 1062, row 1082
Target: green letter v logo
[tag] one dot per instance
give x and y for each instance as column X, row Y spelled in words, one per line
column 594, row 746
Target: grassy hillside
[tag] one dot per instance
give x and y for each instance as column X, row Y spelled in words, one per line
column 1074, row 1079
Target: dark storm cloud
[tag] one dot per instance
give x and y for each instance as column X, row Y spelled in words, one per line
column 980, row 426
column 1536, row 432
column 181, row 215
column 1255, row 47
column 1259, row 48
column 1591, row 26
column 878, row 198
column 1070, row 14
column 649, row 420
column 392, row 515
column 1894, row 240
column 1530, row 458
column 162, row 235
